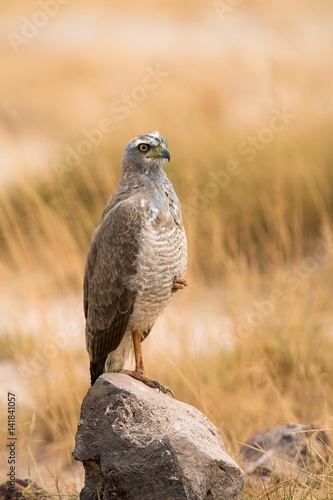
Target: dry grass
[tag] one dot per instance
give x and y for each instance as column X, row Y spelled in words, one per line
column 250, row 342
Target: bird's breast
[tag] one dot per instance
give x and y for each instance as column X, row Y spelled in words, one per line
column 162, row 256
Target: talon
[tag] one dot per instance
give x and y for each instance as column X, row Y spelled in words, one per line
column 157, row 384
column 171, row 392
column 179, row 283
column 164, row 389
column 154, row 384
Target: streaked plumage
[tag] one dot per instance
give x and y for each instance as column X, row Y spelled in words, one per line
column 136, row 253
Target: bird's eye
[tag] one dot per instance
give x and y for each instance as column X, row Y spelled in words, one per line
column 143, row 148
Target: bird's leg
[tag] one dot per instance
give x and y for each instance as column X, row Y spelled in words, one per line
column 138, row 353
column 179, row 283
column 139, row 372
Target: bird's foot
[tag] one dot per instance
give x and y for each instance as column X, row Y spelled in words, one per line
column 148, row 381
column 179, row 283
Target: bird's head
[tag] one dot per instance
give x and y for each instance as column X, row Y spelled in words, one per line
column 146, row 152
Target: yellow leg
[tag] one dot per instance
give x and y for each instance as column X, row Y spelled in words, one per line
column 138, row 352
column 139, row 372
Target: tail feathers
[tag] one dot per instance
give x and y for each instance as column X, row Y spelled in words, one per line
column 96, row 369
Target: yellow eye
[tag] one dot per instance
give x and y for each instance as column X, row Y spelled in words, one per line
column 143, row 148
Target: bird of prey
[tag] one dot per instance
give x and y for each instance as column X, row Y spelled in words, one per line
column 137, row 259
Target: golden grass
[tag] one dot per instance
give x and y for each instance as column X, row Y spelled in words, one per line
column 250, row 342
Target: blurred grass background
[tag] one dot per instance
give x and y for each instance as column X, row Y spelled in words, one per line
column 244, row 96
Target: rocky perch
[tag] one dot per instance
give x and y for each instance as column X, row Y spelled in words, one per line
column 137, row 443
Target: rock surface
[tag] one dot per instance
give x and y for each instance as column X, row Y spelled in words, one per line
column 289, row 451
column 22, row 489
column 138, row 443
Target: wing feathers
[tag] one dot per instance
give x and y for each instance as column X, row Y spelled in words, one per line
column 111, row 263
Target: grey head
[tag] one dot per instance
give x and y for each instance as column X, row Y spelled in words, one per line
column 145, row 153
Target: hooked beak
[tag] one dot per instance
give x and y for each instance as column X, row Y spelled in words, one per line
column 165, row 154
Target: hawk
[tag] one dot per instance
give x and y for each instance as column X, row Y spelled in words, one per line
column 136, row 261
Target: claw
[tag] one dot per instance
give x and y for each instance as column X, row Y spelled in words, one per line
column 163, row 388
column 171, row 392
column 157, row 384
column 154, row 384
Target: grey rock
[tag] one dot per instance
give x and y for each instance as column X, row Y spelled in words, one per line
column 284, row 452
column 22, row 489
column 138, row 443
